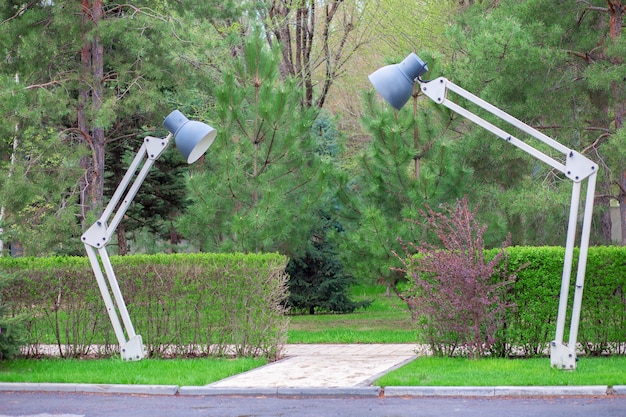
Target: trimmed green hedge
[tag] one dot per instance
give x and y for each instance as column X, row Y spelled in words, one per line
column 532, row 324
column 181, row 304
column 188, row 303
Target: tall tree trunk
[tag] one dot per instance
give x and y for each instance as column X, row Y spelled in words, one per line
column 11, row 170
column 294, row 26
column 122, row 243
column 621, row 199
column 89, row 104
column 86, row 185
column 616, row 14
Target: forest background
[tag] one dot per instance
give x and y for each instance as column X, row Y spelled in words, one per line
column 308, row 161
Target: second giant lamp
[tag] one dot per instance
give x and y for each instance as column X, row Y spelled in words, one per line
column 192, row 139
column 396, row 83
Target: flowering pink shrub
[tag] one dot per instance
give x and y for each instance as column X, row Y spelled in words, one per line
column 456, row 296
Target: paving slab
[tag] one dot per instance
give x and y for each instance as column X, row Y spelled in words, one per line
column 325, row 366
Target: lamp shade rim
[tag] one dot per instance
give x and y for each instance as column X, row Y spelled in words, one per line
column 194, row 150
column 192, row 137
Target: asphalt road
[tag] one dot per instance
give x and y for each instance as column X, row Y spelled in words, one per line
column 42, row 404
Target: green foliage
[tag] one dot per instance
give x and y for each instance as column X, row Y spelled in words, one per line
column 317, row 280
column 37, row 191
column 554, row 68
column 12, row 331
column 407, row 164
column 489, row 372
column 182, row 372
column 180, row 304
column 264, row 181
column 527, row 329
column 69, row 109
column 161, row 198
column 536, row 290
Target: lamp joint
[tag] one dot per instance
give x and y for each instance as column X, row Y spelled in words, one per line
column 96, row 235
column 155, row 146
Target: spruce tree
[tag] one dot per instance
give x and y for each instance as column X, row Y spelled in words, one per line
column 318, row 282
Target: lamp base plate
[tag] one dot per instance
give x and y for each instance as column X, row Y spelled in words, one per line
column 562, row 357
column 133, row 349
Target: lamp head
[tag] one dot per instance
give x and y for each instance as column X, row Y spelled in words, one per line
column 395, row 82
column 192, row 138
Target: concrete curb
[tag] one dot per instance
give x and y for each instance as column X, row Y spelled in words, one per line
column 128, row 389
column 213, row 391
column 31, row 386
column 438, row 391
column 504, row 391
column 284, row 391
column 336, row 392
column 91, row 388
column 593, row 390
column 367, row 391
column 619, row 389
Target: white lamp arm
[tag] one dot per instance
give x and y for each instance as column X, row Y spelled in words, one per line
column 193, row 138
column 100, row 233
column 98, row 236
column 576, row 167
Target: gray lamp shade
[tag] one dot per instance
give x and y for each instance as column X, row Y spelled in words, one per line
column 395, row 82
column 192, row 138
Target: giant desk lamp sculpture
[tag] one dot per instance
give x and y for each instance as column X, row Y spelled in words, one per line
column 192, row 140
column 395, row 84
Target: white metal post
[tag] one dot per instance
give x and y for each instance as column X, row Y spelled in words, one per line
column 568, row 261
column 582, row 260
column 106, row 296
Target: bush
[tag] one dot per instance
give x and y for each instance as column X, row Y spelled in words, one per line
column 528, row 328
column 181, row 304
column 536, row 292
column 456, row 301
column 12, row 331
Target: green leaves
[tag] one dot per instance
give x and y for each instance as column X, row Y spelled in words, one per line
column 266, row 173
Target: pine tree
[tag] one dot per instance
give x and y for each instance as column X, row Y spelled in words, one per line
column 91, row 73
column 407, row 164
column 263, row 180
column 555, row 68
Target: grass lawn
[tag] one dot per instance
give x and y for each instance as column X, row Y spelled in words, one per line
column 430, row 371
column 183, row 372
column 387, row 320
